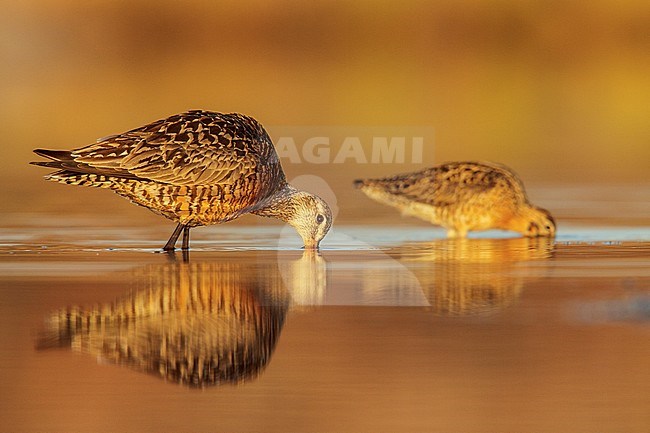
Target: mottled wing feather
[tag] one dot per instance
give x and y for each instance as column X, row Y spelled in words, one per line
column 418, row 187
column 193, row 148
column 448, row 184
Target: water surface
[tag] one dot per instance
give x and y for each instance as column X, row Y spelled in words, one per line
column 387, row 329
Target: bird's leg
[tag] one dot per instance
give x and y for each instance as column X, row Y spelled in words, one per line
column 171, row 243
column 186, row 238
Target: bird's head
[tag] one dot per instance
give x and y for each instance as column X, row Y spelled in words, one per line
column 311, row 217
column 536, row 222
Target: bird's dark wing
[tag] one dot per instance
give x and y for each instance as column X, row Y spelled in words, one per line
column 193, row 148
column 447, row 184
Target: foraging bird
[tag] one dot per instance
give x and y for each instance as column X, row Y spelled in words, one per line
column 463, row 196
column 196, row 168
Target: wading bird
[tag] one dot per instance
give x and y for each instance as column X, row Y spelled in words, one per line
column 461, row 197
column 196, row 168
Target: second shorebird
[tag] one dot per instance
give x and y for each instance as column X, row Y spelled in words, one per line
column 195, row 168
column 462, row 197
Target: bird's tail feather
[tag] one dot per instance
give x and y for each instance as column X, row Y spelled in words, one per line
column 48, row 164
column 81, row 179
column 56, row 155
column 71, row 172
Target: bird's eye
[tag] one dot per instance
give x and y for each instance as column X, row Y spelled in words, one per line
column 320, row 218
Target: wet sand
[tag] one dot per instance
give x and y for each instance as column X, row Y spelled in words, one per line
column 387, row 329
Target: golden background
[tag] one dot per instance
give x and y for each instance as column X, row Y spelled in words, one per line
column 560, row 91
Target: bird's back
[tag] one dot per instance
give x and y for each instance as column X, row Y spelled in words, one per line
column 198, row 167
column 451, row 183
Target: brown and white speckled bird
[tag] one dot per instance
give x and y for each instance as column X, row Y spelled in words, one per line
column 462, row 197
column 196, row 168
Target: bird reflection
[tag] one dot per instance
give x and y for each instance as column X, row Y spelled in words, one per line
column 305, row 278
column 461, row 277
column 197, row 324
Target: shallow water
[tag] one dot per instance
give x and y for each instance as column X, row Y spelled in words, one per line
column 387, row 329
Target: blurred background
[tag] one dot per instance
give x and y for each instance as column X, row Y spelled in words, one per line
column 558, row 90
